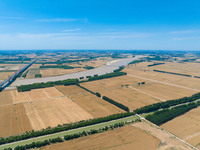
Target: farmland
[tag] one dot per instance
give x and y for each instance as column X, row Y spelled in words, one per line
column 92, row 104
column 186, row 127
column 122, row 138
column 126, row 90
column 13, row 120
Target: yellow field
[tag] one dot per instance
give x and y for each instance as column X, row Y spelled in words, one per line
column 13, row 120
column 127, row 138
column 5, row 98
column 126, row 90
column 184, row 68
column 53, row 112
column 186, row 126
column 4, row 75
column 89, row 102
column 189, row 83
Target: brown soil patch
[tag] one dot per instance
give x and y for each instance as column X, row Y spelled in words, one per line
column 186, row 126
column 13, row 120
column 5, row 98
column 52, row 112
column 127, row 138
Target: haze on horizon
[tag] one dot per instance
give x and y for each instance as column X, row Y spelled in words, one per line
column 88, row 24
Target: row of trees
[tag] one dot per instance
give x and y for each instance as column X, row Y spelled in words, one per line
column 67, row 137
column 186, row 75
column 57, row 66
column 88, row 67
column 25, row 74
column 108, row 75
column 29, row 87
column 155, row 64
column 97, row 94
column 116, row 103
column 39, row 144
column 160, row 117
column 135, row 62
column 63, row 127
column 167, row 104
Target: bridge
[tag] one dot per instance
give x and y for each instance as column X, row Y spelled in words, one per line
column 12, row 78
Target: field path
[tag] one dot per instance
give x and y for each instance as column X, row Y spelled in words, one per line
column 147, row 93
column 130, row 75
column 167, row 139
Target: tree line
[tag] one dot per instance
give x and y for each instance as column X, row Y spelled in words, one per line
column 186, row 75
column 160, row 117
column 167, row 104
column 29, row 87
column 68, row 137
column 57, row 66
column 116, row 103
column 63, row 127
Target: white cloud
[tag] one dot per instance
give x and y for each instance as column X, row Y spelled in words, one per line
column 185, row 38
column 184, row 32
column 72, row 30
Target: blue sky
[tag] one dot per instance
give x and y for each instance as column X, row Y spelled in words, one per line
column 100, row 24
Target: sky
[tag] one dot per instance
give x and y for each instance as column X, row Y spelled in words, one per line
column 100, row 24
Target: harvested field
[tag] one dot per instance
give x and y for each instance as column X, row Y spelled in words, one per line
column 186, row 126
column 117, row 139
column 70, row 90
column 126, row 90
column 89, row 102
column 191, row 83
column 56, row 72
column 4, row 75
column 184, row 68
column 53, row 112
column 13, row 120
column 5, row 98
column 35, row 95
column 166, row 140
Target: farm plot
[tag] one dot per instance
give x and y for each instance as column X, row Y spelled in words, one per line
column 32, row 72
column 89, row 102
column 191, row 83
column 167, row 141
column 184, row 68
column 4, row 75
column 186, row 126
column 53, row 112
column 121, row 138
column 56, row 72
column 5, row 98
column 35, row 95
column 13, row 120
column 127, row 91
